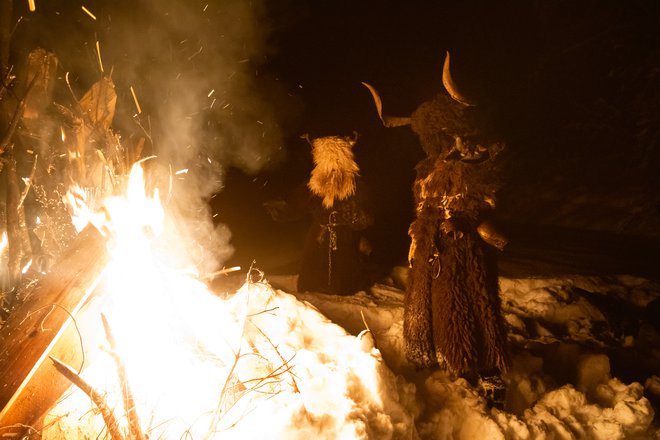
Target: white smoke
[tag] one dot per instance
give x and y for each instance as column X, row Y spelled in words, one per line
column 194, row 67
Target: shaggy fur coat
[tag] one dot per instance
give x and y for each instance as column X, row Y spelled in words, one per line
column 452, row 310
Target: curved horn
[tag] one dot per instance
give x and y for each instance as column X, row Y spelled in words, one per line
column 448, row 82
column 307, row 138
column 354, row 139
column 388, row 121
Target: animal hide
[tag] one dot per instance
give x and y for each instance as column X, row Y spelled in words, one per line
column 452, row 307
column 335, row 170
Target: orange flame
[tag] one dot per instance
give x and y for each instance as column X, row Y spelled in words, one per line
column 258, row 364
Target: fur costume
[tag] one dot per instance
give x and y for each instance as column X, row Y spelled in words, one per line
column 333, row 256
column 452, row 308
column 451, row 313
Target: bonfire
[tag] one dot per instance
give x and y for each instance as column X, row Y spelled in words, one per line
column 113, row 324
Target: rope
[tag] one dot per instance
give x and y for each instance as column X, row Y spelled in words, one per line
column 332, row 241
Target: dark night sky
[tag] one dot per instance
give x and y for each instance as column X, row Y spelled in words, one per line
column 573, row 87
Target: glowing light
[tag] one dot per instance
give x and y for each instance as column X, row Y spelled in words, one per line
column 3, row 242
column 137, row 104
column 88, row 12
column 256, row 364
column 98, row 53
column 26, row 267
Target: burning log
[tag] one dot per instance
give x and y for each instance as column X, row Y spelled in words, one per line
column 44, row 324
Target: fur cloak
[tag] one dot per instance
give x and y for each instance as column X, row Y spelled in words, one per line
column 452, row 309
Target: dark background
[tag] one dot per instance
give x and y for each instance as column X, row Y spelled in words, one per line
column 573, row 87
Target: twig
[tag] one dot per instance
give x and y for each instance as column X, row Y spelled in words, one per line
column 75, row 324
column 6, row 7
column 28, row 185
column 16, row 251
column 284, row 362
column 248, row 276
column 218, row 410
column 18, row 113
column 7, row 79
column 221, row 272
column 127, row 395
column 106, row 413
column 20, row 425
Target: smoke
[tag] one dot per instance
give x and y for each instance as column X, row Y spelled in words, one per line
column 194, row 68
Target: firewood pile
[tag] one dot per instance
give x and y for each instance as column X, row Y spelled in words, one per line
column 57, row 148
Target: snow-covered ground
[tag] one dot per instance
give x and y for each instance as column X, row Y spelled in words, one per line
column 586, row 357
column 585, row 350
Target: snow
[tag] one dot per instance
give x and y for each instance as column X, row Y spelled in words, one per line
column 585, row 360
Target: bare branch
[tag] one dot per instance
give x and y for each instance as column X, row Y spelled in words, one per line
column 127, row 394
column 28, row 184
column 106, row 413
column 4, row 144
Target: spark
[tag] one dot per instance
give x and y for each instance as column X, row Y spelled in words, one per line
column 32, row 6
column 137, row 104
column 211, row 92
column 98, row 52
column 3, row 242
column 88, row 12
column 196, row 53
column 26, row 267
column 183, row 171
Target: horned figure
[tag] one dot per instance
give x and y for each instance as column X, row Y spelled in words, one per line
column 336, row 248
column 452, row 310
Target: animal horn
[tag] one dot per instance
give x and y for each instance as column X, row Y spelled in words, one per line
column 354, row 139
column 448, row 82
column 388, row 121
column 306, row 137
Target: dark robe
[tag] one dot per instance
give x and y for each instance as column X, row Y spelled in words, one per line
column 452, row 307
column 332, row 260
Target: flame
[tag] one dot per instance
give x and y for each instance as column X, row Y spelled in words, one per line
column 3, row 242
column 256, row 364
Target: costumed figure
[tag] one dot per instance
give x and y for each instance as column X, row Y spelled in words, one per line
column 336, row 248
column 452, row 314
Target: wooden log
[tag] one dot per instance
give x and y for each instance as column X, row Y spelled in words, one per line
column 47, row 323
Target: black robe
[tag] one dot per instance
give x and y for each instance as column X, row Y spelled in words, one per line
column 332, row 261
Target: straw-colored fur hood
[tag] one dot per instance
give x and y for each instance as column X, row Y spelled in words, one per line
column 335, row 170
